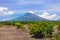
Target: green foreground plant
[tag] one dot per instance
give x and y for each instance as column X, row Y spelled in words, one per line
column 41, row 29
column 19, row 25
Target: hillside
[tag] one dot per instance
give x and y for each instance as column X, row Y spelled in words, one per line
column 29, row 17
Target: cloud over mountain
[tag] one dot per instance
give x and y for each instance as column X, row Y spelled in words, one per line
column 46, row 15
column 5, row 11
column 31, row 12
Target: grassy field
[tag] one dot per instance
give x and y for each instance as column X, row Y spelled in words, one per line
column 42, row 30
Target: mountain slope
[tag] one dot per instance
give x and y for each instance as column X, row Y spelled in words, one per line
column 28, row 17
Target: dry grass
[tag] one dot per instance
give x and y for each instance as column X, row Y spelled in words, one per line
column 11, row 33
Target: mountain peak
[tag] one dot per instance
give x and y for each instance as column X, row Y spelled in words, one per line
column 29, row 17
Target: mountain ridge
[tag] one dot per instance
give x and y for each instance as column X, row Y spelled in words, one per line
column 29, row 17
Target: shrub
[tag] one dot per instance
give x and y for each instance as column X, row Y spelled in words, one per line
column 19, row 25
column 35, row 30
column 59, row 27
column 56, row 37
column 41, row 29
column 49, row 30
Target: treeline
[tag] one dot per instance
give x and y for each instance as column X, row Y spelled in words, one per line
column 29, row 22
column 32, row 23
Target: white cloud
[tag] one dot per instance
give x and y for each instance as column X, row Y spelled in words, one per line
column 46, row 15
column 31, row 12
column 10, row 12
column 5, row 11
column 2, row 8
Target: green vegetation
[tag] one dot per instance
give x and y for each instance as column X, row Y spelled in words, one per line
column 38, row 28
column 56, row 37
column 19, row 25
column 41, row 28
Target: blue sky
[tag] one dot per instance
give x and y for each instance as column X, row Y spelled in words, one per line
column 43, row 8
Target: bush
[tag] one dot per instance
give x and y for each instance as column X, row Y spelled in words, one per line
column 56, row 37
column 49, row 29
column 19, row 25
column 35, row 30
column 59, row 27
column 42, row 28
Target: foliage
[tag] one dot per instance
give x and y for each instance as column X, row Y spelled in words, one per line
column 59, row 26
column 41, row 28
column 37, row 31
column 56, row 37
column 49, row 29
column 37, row 28
column 19, row 25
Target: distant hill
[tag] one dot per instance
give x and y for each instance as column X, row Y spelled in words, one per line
column 29, row 17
